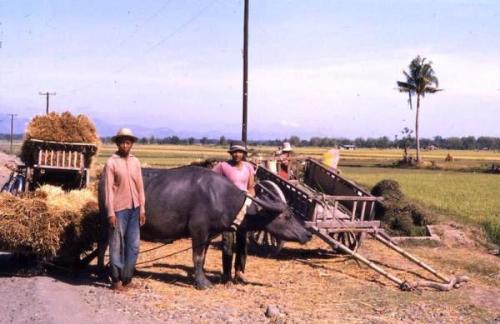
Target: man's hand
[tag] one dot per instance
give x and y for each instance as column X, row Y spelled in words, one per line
column 112, row 221
column 142, row 218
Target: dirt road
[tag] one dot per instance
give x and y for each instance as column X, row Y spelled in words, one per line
column 304, row 285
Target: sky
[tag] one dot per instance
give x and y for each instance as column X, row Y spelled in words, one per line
column 316, row 68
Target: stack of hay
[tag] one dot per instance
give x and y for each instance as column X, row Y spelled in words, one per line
column 64, row 128
column 49, row 222
column 399, row 215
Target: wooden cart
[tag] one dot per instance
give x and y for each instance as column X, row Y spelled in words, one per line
column 340, row 213
column 322, row 198
column 57, row 163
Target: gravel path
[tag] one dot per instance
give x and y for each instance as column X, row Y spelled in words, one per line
column 70, row 299
column 48, row 300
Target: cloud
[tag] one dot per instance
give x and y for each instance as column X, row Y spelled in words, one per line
column 289, row 123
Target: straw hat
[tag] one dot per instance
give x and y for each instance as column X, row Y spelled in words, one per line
column 124, row 132
column 287, row 147
column 237, row 146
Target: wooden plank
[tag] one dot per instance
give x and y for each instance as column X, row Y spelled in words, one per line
column 63, row 159
column 74, row 159
column 62, row 143
column 345, row 224
column 353, row 212
column 352, row 229
column 363, row 209
column 353, row 198
column 65, row 168
column 372, row 211
column 57, row 158
column 39, row 157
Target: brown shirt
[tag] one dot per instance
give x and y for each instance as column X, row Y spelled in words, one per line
column 124, row 184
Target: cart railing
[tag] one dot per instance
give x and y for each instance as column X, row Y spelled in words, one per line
column 298, row 200
column 60, row 159
column 328, row 181
column 359, row 208
column 58, row 155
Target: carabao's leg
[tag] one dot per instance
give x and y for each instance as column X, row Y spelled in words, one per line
column 199, row 255
column 241, row 257
column 227, row 255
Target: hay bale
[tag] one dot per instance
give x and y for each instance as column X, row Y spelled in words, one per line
column 389, row 189
column 62, row 128
column 49, row 222
column 397, row 213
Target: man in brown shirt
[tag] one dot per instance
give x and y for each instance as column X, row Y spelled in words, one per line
column 125, row 204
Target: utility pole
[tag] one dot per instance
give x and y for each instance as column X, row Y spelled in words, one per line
column 47, row 94
column 12, row 132
column 244, row 125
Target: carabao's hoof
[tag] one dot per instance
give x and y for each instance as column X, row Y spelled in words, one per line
column 225, row 279
column 202, row 284
column 239, row 278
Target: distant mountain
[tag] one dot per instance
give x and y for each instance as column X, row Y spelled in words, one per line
column 108, row 129
column 230, row 131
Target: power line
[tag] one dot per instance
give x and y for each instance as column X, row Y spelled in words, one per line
column 181, row 27
column 144, row 23
column 176, row 31
column 47, row 95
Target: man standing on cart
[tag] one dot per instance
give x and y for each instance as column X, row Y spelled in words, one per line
column 283, row 154
column 125, row 204
column 241, row 173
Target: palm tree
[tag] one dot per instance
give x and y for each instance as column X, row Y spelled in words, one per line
column 420, row 79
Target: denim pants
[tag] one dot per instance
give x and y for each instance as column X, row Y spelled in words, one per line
column 124, row 241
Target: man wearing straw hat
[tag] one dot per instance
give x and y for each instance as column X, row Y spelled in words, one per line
column 241, row 174
column 125, row 204
column 284, row 156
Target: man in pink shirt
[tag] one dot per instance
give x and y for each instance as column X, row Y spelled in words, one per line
column 125, row 205
column 241, row 174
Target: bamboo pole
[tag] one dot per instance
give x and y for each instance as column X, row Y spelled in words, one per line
column 337, row 245
column 410, row 257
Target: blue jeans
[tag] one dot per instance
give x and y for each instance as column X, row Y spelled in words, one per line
column 124, row 245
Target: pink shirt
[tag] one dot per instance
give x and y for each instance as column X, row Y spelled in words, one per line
column 239, row 176
column 124, row 184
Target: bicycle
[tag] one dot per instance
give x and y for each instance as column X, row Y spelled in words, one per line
column 17, row 181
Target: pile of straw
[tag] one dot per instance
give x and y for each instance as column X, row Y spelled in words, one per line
column 49, row 222
column 62, row 128
column 398, row 214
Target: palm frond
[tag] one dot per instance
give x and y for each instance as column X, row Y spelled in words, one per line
column 405, row 86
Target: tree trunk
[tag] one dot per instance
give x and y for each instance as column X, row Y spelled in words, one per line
column 417, row 136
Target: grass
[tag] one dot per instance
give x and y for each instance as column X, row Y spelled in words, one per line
column 470, row 197
column 467, row 196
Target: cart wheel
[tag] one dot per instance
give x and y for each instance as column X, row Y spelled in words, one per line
column 264, row 243
column 351, row 240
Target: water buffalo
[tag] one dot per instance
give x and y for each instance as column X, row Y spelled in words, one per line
column 198, row 203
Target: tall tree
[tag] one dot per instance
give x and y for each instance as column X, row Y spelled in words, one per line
column 420, row 80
